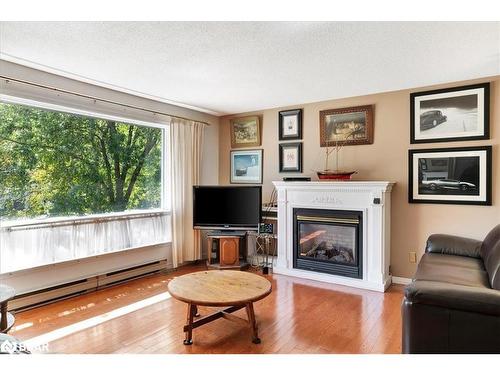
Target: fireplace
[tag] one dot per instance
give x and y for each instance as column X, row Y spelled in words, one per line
column 328, row 241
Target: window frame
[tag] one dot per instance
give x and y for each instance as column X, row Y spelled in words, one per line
column 165, row 205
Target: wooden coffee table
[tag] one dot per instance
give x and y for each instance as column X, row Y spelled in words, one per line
column 234, row 289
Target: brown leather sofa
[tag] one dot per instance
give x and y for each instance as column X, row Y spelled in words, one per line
column 453, row 303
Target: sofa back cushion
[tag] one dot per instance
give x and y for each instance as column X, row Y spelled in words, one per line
column 490, row 253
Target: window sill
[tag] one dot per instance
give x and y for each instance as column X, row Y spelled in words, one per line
column 77, row 220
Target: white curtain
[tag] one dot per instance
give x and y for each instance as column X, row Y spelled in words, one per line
column 186, row 147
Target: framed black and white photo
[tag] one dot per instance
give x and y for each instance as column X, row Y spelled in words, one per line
column 290, row 125
column 454, row 114
column 290, row 157
column 450, row 175
column 246, row 166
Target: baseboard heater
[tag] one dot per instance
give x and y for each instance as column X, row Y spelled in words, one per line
column 44, row 296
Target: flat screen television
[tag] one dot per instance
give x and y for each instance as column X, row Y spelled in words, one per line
column 227, row 207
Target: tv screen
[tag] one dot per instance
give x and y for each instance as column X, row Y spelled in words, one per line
column 227, row 207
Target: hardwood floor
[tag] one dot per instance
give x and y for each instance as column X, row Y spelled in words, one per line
column 299, row 316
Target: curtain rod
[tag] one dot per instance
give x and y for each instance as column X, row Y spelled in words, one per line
column 8, row 79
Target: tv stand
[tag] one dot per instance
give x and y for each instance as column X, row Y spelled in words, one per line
column 227, row 250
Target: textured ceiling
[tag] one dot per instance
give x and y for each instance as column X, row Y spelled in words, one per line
column 231, row 67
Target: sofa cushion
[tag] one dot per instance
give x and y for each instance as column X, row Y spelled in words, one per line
column 452, row 269
column 490, row 252
column 453, row 245
column 455, row 297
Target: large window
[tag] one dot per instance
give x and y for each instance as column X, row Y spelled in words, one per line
column 62, row 164
column 75, row 185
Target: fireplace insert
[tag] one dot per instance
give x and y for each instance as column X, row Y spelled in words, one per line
column 328, row 241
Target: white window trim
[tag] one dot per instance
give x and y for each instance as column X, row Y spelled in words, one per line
column 71, row 220
column 76, row 220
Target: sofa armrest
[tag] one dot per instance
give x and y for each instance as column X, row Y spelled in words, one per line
column 452, row 296
column 453, row 245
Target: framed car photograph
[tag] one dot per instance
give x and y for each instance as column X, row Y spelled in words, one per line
column 245, row 132
column 454, row 114
column 450, row 175
column 346, row 126
column 290, row 157
column 246, row 166
column 290, row 125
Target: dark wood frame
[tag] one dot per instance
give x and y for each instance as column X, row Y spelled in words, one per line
column 488, row 181
column 245, row 145
column 291, row 112
column 231, row 152
column 368, row 109
column 298, row 145
column 486, row 119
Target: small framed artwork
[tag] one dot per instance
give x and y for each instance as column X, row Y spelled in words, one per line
column 290, row 125
column 347, row 126
column 454, row 114
column 245, row 132
column 450, row 175
column 246, row 166
column 290, row 157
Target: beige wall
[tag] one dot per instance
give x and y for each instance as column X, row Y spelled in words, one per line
column 385, row 159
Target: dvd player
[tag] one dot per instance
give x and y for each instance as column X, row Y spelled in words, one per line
column 298, row 178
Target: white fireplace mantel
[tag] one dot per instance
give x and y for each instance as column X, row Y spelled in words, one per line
column 371, row 198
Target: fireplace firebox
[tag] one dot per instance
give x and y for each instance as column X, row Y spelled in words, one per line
column 328, row 241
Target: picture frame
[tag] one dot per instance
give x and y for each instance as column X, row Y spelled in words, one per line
column 451, row 114
column 246, row 166
column 290, row 124
column 290, row 157
column 459, row 175
column 245, row 132
column 351, row 126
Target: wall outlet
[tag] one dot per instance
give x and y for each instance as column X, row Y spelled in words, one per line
column 412, row 257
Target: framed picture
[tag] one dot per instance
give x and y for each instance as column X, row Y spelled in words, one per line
column 351, row 126
column 455, row 114
column 245, row 132
column 290, row 157
column 246, row 167
column 450, row 175
column 290, row 124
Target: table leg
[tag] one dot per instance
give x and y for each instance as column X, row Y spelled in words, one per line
column 253, row 323
column 3, row 316
column 191, row 312
column 196, row 313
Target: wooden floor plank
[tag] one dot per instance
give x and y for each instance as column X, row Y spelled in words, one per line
column 300, row 316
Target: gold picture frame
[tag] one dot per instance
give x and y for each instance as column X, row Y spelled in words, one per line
column 245, row 132
column 350, row 126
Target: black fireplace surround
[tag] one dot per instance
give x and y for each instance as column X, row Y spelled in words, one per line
column 328, row 241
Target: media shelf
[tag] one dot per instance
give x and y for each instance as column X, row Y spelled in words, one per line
column 227, row 250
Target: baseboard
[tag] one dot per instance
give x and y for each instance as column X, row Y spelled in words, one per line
column 401, row 280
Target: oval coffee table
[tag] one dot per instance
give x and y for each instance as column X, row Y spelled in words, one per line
column 234, row 289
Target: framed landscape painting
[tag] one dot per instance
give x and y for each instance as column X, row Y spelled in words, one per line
column 450, row 175
column 455, row 114
column 290, row 157
column 348, row 126
column 246, row 166
column 245, row 132
column 290, row 125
